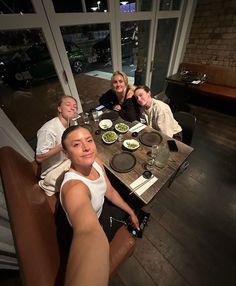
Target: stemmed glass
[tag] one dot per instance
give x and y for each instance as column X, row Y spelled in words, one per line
column 151, row 157
column 154, row 151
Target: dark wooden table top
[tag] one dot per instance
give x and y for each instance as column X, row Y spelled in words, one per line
column 193, row 79
column 107, row 151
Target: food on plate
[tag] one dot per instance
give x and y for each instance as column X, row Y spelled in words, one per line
column 105, row 124
column 109, row 137
column 131, row 144
column 121, row 127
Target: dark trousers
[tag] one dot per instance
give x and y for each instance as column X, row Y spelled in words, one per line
column 111, row 219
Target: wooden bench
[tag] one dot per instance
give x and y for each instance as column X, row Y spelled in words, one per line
column 31, row 215
column 220, row 82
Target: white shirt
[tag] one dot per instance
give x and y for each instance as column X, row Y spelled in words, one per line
column 160, row 117
column 96, row 187
column 49, row 135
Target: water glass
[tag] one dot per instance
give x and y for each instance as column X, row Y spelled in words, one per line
column 162, row 155
column 154, row 151
column 120, row 137
column 95, row 115
column 150, row 164
column 85, row 117
column 73, row 122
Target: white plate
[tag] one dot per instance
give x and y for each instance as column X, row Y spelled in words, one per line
column 122, row 127
column 109, row 137
column 105, row 124
column 131, row 144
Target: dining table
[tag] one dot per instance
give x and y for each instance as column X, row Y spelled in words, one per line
column 136, row 160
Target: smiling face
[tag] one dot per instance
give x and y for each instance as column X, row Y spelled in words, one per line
column 118, row 83
column 80, row 147
column 67, row 108
column 143, row 97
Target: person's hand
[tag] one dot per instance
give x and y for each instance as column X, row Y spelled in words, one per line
column 117, row 107
column 130, row 94
column 135, row 221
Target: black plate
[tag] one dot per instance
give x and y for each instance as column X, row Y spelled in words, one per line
column 123, row 162
column 150, row 138
column 112, row 115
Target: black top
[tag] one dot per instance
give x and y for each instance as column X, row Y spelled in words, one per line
column 129, row 108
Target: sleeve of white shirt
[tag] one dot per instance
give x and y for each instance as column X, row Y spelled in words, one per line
column 46, row 141
column 165, row 122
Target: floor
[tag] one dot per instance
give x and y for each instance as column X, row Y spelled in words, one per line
column 191, row 236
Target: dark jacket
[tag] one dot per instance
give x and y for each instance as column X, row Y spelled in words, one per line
column 129, row 108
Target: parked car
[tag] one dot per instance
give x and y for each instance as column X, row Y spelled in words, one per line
column 129, row 41
column 35, row 64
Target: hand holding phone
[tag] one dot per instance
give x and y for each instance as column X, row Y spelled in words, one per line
column 172, row 145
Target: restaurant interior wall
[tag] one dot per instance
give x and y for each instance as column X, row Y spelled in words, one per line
column 212, row 39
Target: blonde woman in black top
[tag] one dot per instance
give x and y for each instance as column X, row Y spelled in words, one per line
column 120, row 97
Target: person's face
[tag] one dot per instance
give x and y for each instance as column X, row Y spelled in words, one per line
column 68, row 108
column 143, row 97
column 80, row 147
column 118, row 83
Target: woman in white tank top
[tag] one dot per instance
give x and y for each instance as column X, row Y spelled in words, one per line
column 86, row 185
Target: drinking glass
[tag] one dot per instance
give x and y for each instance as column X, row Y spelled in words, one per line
column 154, row 151
column 85, row 117
column 95, row 115
column 150, row 163
column 162, row 155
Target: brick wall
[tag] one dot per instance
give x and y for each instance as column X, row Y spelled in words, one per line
column 213, row 34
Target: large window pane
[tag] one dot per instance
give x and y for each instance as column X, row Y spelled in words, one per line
column 16, row 7
column 29, row 87
column 170, row 4
column 65, row 6
column 134, row 39
column 89, row 52
column 164, row 42
column 135, row 6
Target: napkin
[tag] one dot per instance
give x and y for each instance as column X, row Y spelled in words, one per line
column 137, row 127
column 145, row 184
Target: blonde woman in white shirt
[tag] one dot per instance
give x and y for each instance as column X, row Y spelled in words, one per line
column 157, row 114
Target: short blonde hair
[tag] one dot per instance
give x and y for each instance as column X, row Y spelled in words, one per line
column 64, row 97
column 121, row 74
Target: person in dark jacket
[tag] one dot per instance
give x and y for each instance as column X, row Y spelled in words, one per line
column 120, row 97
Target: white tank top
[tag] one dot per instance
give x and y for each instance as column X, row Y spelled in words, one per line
column 96, row 187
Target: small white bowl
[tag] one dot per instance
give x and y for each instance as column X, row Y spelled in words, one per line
column 105, row 124
column 122, row 127
column 109, row 137
column 131, row 144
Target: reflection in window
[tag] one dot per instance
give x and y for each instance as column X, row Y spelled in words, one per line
column 28, row 81
column 134, row 39
column 170, row 4
column 134, row 6
column 164, row 43
column 66, row 6
column 88, row 47
column 16, row 7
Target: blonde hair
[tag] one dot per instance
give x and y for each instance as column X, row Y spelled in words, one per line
column 125, row 78
column 64, row 97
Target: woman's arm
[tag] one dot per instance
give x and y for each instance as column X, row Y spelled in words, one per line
column 53, row 151
column 88, row 262
column 47, row 145
column 109, row 99
column 130, row 110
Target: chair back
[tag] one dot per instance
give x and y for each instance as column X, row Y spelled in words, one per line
column 188, row 122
